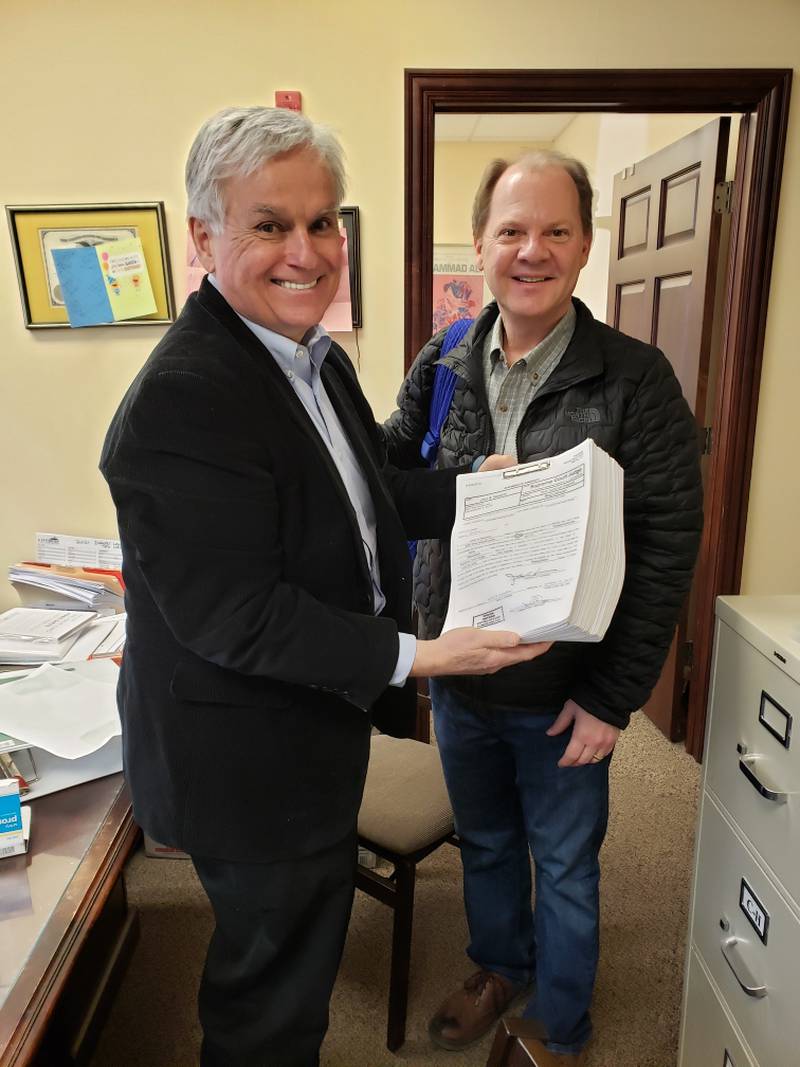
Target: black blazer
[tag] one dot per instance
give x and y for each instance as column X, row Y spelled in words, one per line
column 253, row 666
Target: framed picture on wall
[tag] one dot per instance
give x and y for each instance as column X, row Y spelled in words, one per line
column 349, row 217
column 36, row 231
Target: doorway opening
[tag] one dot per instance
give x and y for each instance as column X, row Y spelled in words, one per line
column 759, row 98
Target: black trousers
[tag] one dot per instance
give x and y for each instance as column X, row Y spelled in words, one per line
column 273, row 956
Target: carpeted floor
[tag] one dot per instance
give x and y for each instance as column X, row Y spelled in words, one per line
column 647, row 862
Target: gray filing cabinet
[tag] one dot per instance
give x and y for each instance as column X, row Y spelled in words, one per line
column 742, row 990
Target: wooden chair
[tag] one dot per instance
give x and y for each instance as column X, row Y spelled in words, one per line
column 517, row 1044
column 405, row 815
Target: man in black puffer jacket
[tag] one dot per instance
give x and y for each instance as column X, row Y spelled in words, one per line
column 526, row 751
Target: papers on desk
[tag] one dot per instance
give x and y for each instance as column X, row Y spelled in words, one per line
column 53, row 773
column 38, row 635
column 44, row 585
column 78, row 551
column 103, row 638
column 87, row 715
column 539, row 549
column 68, row 710
column 7, row 743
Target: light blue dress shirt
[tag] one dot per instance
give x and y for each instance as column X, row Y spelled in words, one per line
column 301, row 363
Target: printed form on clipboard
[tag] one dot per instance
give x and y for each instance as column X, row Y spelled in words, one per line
column 539, row 549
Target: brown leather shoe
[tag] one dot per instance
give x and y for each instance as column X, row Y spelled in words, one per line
column 468, row 1013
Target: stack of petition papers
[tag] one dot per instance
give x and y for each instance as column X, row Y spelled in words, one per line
column 539, row 548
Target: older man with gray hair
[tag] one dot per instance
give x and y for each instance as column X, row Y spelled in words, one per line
column 267, row 585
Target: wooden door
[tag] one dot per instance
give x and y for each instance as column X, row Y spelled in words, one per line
column 662, row 288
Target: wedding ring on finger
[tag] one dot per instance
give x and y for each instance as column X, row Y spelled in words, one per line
column 597, row 757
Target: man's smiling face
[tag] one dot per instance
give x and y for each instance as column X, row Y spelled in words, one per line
column 279, row 256
column 533, row 247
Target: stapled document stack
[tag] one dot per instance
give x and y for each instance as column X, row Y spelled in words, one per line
column 539, row 548
column 43, row 585
column 36, row 635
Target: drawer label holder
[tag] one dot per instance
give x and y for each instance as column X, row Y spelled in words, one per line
column 775, row 719
column 754, row 911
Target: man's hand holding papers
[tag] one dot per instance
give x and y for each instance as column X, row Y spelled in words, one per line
column 467, row 650
column 539, row 548
column 497, row 462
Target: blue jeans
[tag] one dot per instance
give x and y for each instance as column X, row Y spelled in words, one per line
column 509, row 795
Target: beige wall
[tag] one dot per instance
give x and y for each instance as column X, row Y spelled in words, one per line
column 457, row 170
column 100, row 104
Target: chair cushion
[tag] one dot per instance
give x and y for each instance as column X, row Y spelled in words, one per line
column 405, row 805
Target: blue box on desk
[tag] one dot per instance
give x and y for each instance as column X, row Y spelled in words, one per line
column 11, row 836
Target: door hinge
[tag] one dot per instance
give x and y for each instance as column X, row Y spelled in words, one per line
column 706, row 440
column 688, row 659
column 723, row 198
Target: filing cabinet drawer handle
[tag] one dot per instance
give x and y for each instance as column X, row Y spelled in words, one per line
column 770, row 794
column 740, row 970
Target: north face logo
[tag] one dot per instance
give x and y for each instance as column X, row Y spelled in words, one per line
column 582, row 414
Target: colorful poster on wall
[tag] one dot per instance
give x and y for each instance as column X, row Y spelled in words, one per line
column 458, row 286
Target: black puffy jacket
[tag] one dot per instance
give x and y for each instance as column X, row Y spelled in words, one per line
column 624, row 395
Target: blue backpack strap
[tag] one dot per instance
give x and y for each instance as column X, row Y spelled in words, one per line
column 444, row 385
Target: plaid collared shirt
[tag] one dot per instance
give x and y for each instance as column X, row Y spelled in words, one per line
column 511, row 389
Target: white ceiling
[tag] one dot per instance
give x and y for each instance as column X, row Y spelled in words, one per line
column 518, row 126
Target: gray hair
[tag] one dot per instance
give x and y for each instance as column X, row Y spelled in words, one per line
column 540, row 159
column 239, row 140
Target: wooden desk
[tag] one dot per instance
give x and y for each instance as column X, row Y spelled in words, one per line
column 65, row 928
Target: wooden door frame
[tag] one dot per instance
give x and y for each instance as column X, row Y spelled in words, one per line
column 762, row 92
